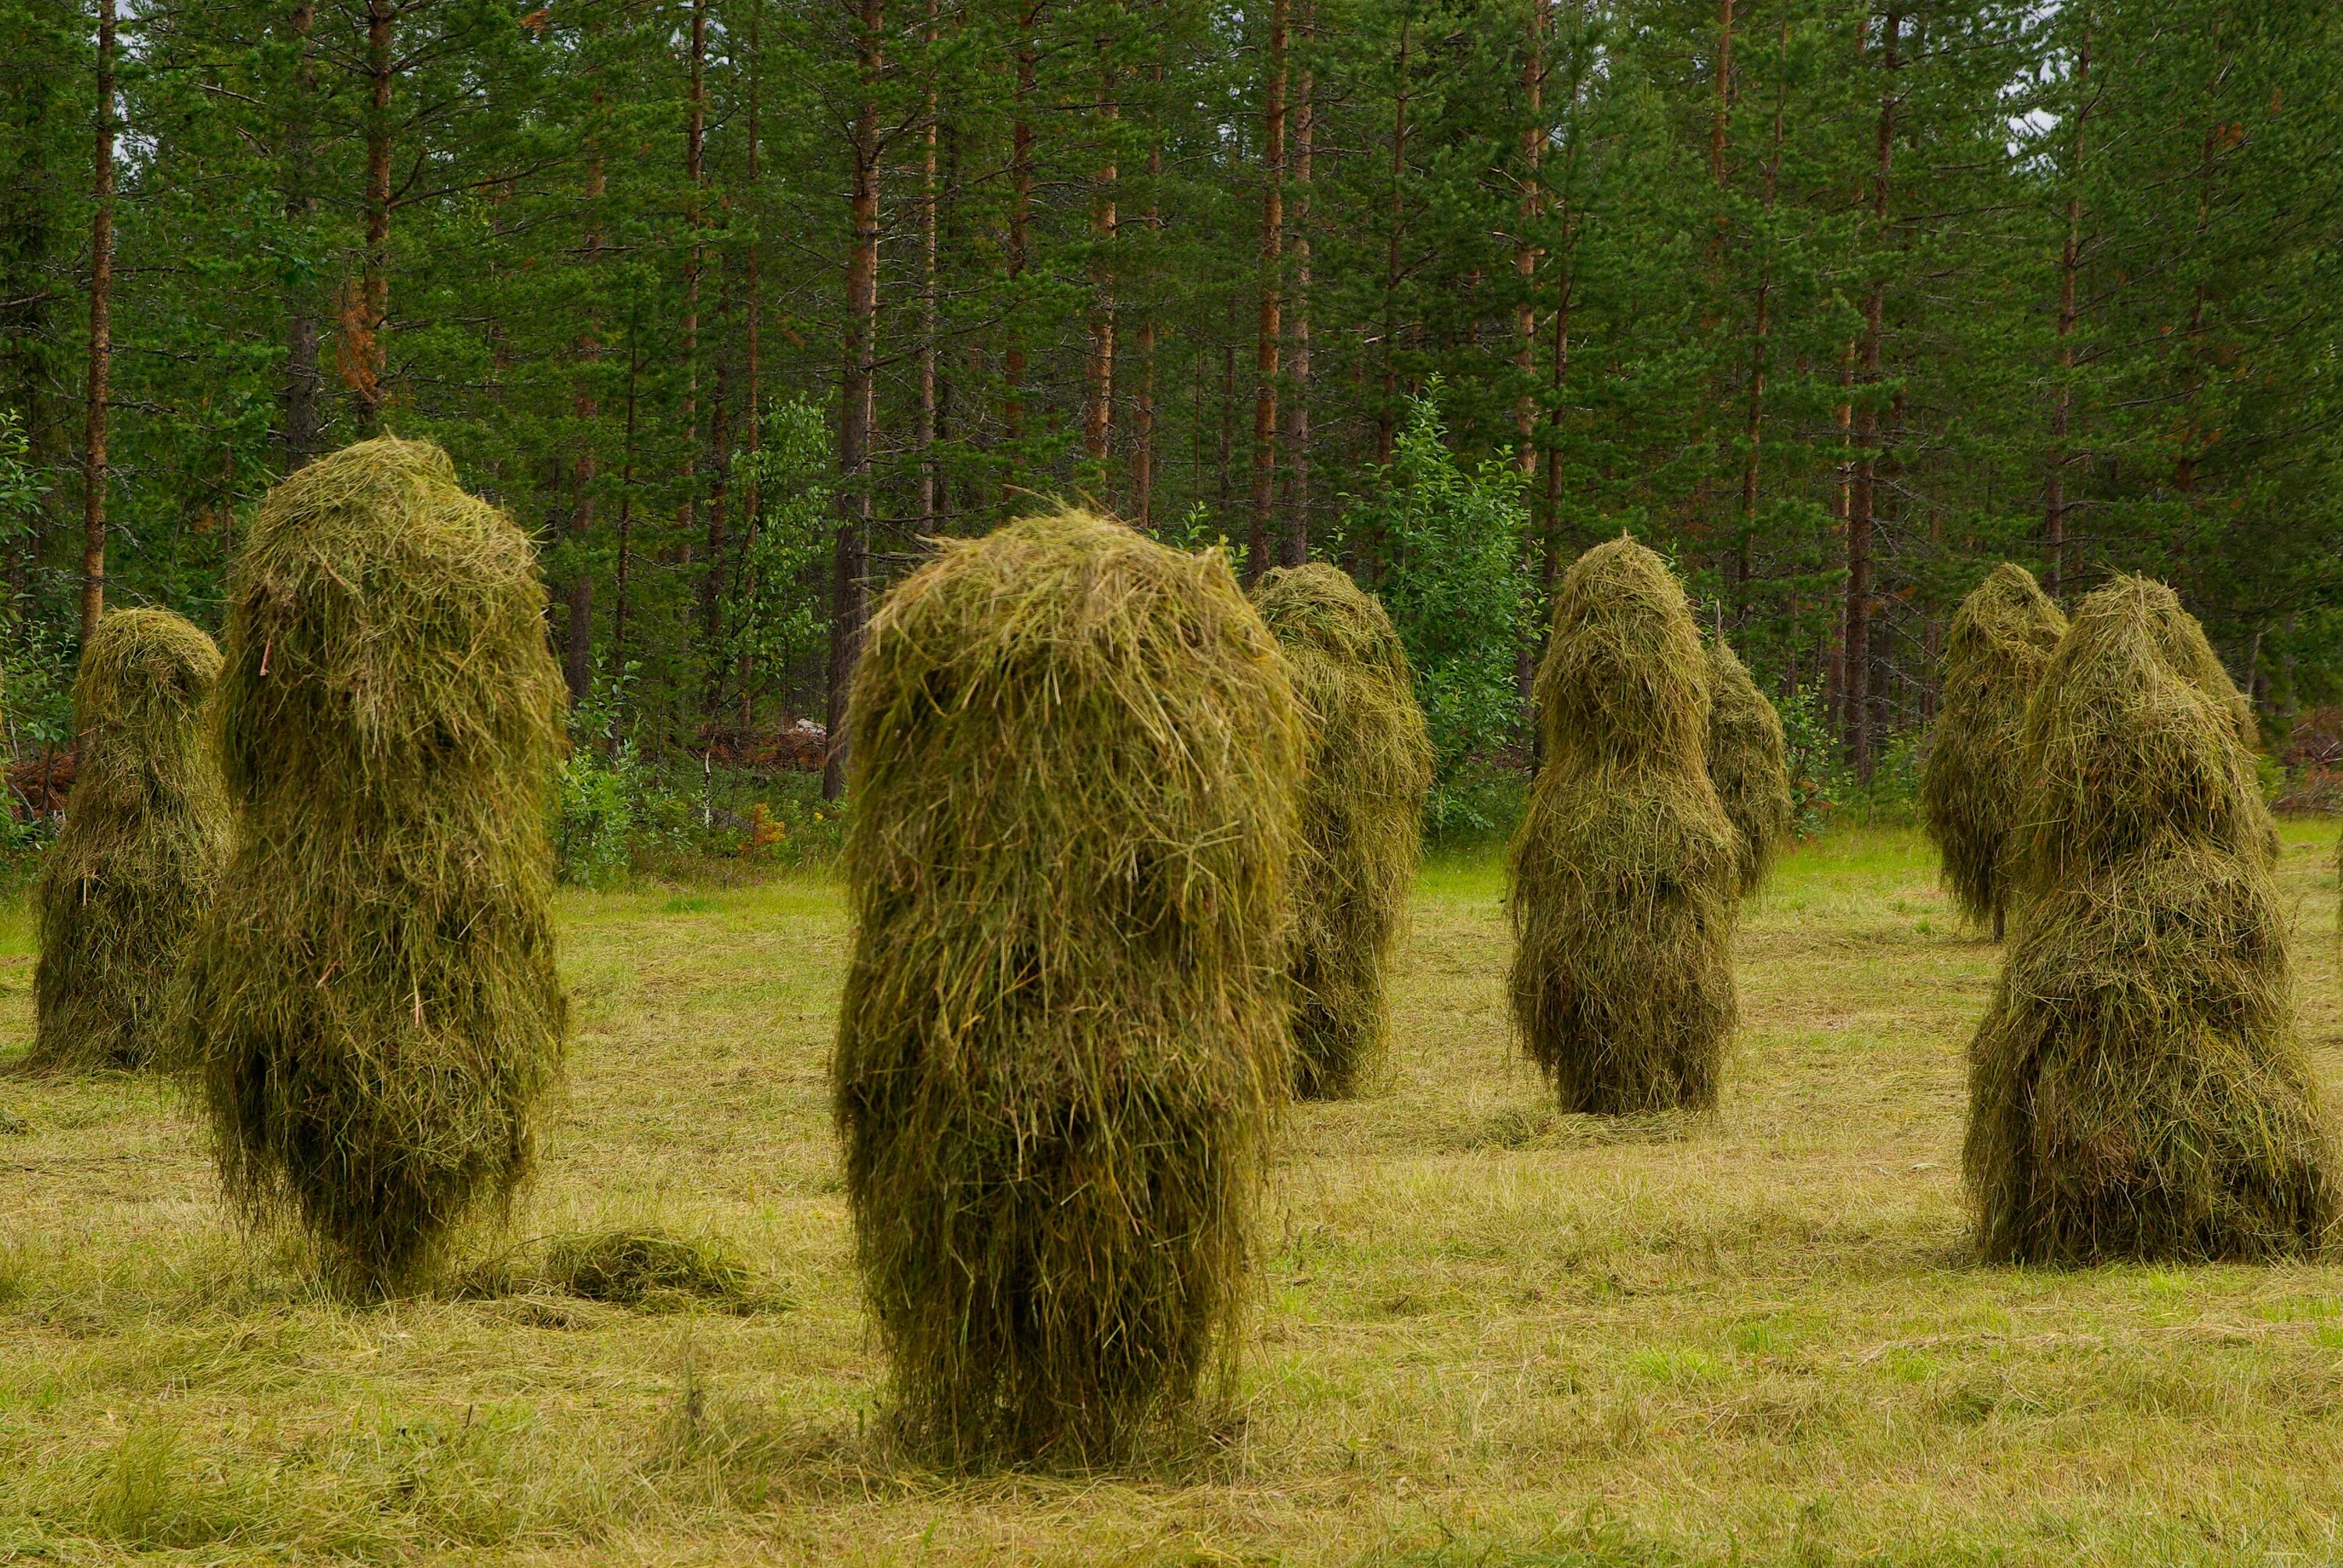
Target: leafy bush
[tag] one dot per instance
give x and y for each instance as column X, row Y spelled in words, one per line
column 1820, row 781
column 600, row 803
column 1456, row 591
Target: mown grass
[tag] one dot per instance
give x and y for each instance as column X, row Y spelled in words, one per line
column 1491, row 1334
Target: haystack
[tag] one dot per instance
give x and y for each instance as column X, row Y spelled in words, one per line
column 1748, row 763
column 1076, row 755
column 1996, row 656
column 1625, row 872
column 370, row 1014
column 145, row 834
column 1368, row 770
column 2181, row 639
column 2137, row 1089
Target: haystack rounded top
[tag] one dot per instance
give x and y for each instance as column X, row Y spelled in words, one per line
column 1624, row 675
column 384, row 627
column 139, row 665
column 1318, row 605
column 2006, row 615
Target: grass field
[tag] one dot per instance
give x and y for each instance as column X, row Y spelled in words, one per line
column 1491, row 1334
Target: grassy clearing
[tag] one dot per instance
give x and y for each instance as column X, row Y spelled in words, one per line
column 1494, row 1334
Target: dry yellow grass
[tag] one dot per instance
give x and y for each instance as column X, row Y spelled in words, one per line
column 1491, row 1334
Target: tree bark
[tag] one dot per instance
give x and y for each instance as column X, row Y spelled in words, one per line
column 1020, row 213
column 101, row 336
column 297, row 398
column 1387, row 412
column 695, row 147
column 1142, row 456
column 850, row 561
column 368, row 319
column 1293, row 542
column 2054, row 500
column 1266, row 335
column 1098, row 380
column 1863, row 494
column 924, row 434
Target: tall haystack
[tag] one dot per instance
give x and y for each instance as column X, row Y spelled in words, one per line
column 1626, row 877
column 146, row 833
column 1063, row 1044
column 1368, row 770
column 2137, row 1089
column 370, row 1014
column 1748, row 763
column 1995, row 658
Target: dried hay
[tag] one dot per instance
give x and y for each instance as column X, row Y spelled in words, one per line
column 2137, row 1090
column 1625, row 871
column 145, row 834
column 1063, row 1043
column 1996, row 656
column 371, row 1012
column 1368, row 771
column 1748, row 763
column 2181, row 639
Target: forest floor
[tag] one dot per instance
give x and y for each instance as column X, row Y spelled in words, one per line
column 1491, row 1334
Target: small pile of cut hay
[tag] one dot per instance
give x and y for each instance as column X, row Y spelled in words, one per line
column 1063, row 1044
column 2137, row 1090
column 1748, row 762
column 146, row 833
column 370, row 1012
column 2182, row 641
column 1996, row 655
column 651, row 1268
column 1625, row 880
column 1368, row 772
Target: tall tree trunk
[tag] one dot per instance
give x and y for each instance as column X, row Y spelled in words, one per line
column 101, row 336
column 1228, row 430
column 695, row 258
column 924, row 434
column 1293, row 544
column 1021, row 214
column 1387, row 412
column 586, row 408
column 850, row 561
column 1142, row 456
column 366, row 319
column 1525, row 253
column 1265, row 338
column 625, row 571
column 2054, row 499
column 1862, row 496
column 753, row 371
column 1098, row 377
column 1761, row 328
column 297, row 398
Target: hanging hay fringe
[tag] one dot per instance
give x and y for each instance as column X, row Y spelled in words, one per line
column 1625, row 878
column 1369, row 770
column 146, row 833
column 1062, row 1043
column 1748, row 764
column 2137, row 1089
column 1996, row 655
column 371, row 1013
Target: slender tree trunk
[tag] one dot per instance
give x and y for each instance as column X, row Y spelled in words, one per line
column 1761, row 328
column 298, row 400
column 1098, row 380
column 1227, row 431
column 1387, row 413
column 1525, row 255
column 695, row 146
column 849, row 564
column 366, row 319
column 1142, row 456
column 2054, row 501
column 1265, row 339
column 753, row 264
column 1021, row 214
column 1862, row 496
column 625, row 572
column 101, row 336
column 924, row 434
column 1293, row 544
column 586, row 408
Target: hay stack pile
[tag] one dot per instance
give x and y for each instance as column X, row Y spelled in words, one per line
column 1748, row 764
column 1062, row 1043
column 1624, row 873
column 2181, row 639
column 371, row 1012
column 145, row 834
column 1368, row 770
column 2137, row 1089
column 1996, row 655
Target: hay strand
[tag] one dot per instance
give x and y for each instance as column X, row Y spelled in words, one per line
column 1996, row 655
column 1749, row 765
column 2137, row 1090
column 1625, row 871
column 371, row 1012
column 146, row 831
column 1076, row 755
column 1368, row 770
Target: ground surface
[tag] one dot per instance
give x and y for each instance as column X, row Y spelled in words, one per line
column 1491, row 1335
